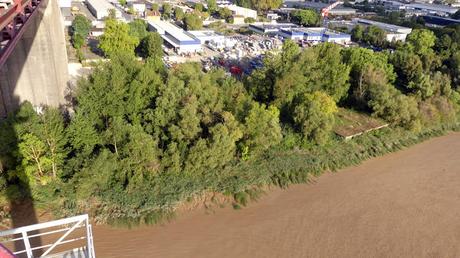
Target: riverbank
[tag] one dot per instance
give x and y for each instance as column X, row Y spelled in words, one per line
column 403, row 204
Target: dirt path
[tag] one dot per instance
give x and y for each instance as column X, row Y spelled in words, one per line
column 406, row 204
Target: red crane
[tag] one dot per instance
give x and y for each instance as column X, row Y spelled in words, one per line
column 325, row 10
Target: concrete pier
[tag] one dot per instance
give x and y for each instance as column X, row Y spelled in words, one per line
column 36, row 71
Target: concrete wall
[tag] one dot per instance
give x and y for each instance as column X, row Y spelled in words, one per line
column 37, row 69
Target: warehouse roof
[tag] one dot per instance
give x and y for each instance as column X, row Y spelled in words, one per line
column 433, row 7
column 100, row 5
column 384, row 26
column 172, row 30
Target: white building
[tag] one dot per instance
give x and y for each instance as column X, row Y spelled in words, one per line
column 292, row 34
column 181, row 41
column 241, row 11
column 271, row 28
column 436, row 9
column 336, row 37
column 139, row 7
column 213, row 39
column 206, row 36
column 315, row 35
column 100, row 8
column 393, row 32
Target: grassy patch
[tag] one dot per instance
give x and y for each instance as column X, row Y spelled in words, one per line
column 350, row 123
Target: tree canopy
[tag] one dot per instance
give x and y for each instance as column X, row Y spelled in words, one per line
column 79, row 30
column 179, row 14
column 138, row 29
column 167, row 10
column 265, row 5
column 116, row 38
column 151, row 45
column 306, row 17
column 192, row 22
column 225, row 13
column 212, row 6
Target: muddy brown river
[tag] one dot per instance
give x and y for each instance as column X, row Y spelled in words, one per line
column 405, row 204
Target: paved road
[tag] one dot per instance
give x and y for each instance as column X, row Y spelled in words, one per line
column 405, row 204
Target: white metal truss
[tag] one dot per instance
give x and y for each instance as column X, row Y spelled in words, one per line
column 64, row 227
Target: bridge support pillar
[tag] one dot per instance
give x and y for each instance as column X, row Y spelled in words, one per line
column 36, row 71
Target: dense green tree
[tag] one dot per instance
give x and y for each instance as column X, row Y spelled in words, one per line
column 327, row 73
column 359, row 59
column 81, row 25
column 265, row 5
column 316, row 69
column 314, row 115
column 262, row 128
column 421, row 40
column 454, row 68
column 80, row 29
column 192, row 22
column 388, row 103
column 53, row 134
column 244, row 3
column 357, row 34
column 35, row 164
column 408, row 66
column 167, row 10
column 83, row 135
column 198, row 7
column 179, row 14
column 155, row 7
column 212, row 6
column 249, row 20
column 138, row 29
column 225, row 13
column 151, row 45
column 374, row 36
column 116, row 38
column 218, row 150
column 306, row 17
column 78, row 41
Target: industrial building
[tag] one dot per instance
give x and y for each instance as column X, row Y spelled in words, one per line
column 101, row 8
column 393, row 32
column 418, row 8
column 138, row 7
column 206, row 36
column 318, row 6
column 271, row 28
column 181, row 41
column 342, row 11
column 293, row 34
column 212, row 39
column 437, row 21
column 430, row 9
column 335, row 37
column 315, row 35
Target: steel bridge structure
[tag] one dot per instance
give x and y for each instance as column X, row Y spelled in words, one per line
column 15, row 16
column 64, row 238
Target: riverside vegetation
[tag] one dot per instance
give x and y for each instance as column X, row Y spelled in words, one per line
column 140, row 139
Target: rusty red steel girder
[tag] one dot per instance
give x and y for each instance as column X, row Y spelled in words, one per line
column 13, row 22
